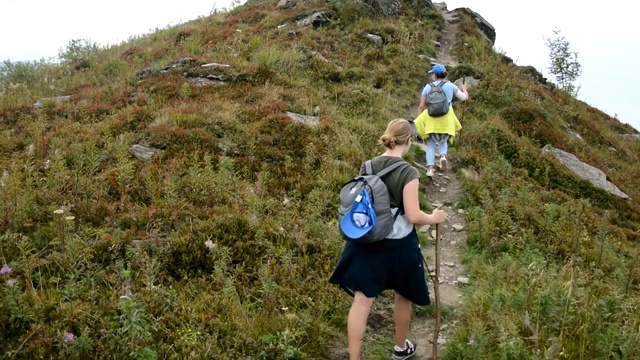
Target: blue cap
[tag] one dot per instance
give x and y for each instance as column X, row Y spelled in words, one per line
column 438, row 69
column 360, row 219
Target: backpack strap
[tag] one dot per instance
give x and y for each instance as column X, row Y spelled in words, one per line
column 390, row 168
column 442, row 82
column 368, row 169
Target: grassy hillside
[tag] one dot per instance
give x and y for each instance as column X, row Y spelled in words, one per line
column 222, row 244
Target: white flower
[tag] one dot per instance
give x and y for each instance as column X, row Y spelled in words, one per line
column 69, row 218
column 58, row 212
column 285, row 308
column 209, row 244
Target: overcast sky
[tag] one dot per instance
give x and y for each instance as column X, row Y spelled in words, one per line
column 607, row 41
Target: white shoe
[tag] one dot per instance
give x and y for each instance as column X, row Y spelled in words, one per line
column 430, row 172
column 442, row 162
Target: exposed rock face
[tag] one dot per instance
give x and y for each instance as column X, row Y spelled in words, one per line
column 388, row 8
column 594, row 175
column 144, row 153
column 285, row 4
column 316, row 19
column 309, row 120
column 470, row 81
column 376, row 39
column 59, row 99
column 630, row 136
column 483, row 25
column 534, row 73
column 182, row 62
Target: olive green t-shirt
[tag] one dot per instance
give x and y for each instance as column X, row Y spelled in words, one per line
column 396, row 180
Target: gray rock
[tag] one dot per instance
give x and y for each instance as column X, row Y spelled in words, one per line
column 305, row 119
column 457, row 227
column 142, row 152
column 285, row 4
column 57, row 100
column 201, row 81
column 374, row 39
column 484, row 26
column 388, row 8
column 575, row 135
column 463, row 279
column 590, row 173
column 316, row 19
column 630, row 136
column 469, row 80
column 182, row 62
column 215, row 65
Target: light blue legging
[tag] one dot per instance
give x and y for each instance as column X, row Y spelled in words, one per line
column 440, row 140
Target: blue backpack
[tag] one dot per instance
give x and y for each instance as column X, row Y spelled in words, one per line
column 365, row 213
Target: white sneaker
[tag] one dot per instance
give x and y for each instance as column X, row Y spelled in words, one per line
column 401, row 354
column 430, row 172
column 442, row 162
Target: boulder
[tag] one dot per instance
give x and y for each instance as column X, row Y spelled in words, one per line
column 376, row 39
column 469, row 80
column 304, row 119
column 57, row 100
column 630, row 136
column 142, row 152
column 388, row 8
column 590, row 173
column 316, row 19
column 484, row 26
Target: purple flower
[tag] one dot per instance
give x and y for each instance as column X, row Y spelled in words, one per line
column 471, row 342
column 69, row 337
column 5, row 270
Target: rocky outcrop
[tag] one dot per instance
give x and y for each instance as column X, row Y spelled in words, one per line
column 388, row 8
column 144, row 153
column 484, row 26
column 304, row 119
column 592, row 174
column 182, row 62
column 534, row 74
column 630, row 136
column 55, row 100
column 470, row 81
column 316, row 19
column 376, row 39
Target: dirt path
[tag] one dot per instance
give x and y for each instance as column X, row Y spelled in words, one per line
column 446, row 42
column 444, row 190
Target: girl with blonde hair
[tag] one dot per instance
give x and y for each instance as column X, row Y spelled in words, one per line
column 365, row 270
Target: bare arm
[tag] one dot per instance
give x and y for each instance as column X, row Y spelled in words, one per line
column 462, row 93
column 412, row 206
column 423, row 104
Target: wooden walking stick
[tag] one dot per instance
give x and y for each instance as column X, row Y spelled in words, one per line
column 436, row 289
column 464, row 78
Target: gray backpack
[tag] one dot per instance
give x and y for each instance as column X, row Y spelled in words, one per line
column 367, row 196
column 437, row 103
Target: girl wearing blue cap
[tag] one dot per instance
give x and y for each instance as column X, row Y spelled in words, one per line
column 439, row 131
column 365, row 270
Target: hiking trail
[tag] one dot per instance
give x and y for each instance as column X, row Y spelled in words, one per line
column 444, row 189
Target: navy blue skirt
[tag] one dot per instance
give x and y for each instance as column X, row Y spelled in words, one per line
column 390, row 264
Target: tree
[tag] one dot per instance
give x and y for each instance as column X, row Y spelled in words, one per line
column 563, row 62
